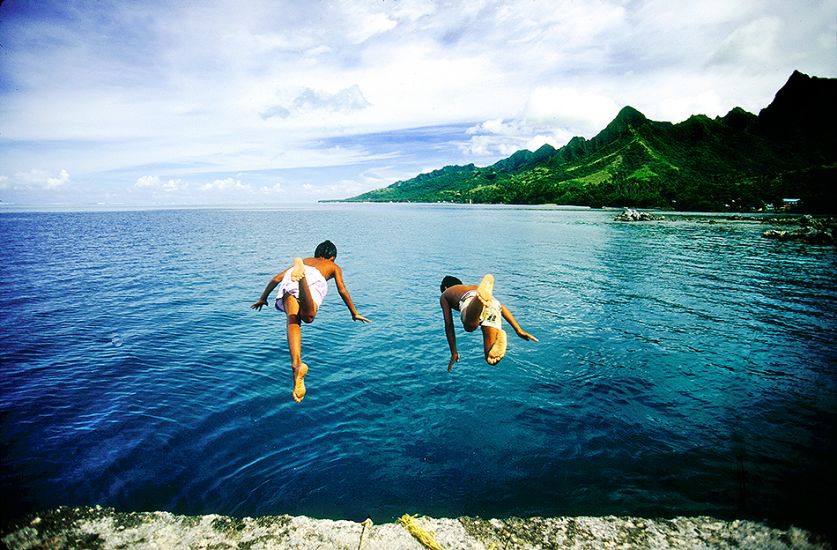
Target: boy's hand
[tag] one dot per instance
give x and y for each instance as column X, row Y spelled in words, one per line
column 259, row 305
column 359, row 317
column 526, row 336
column 454, row 357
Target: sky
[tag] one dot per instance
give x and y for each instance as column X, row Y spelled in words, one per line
column 264, row 102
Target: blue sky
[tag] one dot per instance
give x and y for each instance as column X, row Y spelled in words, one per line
column 273, row 102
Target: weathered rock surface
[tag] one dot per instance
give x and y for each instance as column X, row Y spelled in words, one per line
column 631, row 215
column 812, row 230
column 107, row 529
column 805, row 235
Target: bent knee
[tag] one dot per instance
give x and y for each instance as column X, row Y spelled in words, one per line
column 470, row 328
column 308, row 318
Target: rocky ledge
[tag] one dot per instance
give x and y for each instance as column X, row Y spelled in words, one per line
column 631, row 215
column 812, row 230
column 105, row 528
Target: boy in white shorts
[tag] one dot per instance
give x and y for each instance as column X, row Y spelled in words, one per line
column 477, row 308
column 302, row 288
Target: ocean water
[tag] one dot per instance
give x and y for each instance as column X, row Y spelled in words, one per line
column 683, row 367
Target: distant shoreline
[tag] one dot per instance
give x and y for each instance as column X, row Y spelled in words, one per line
column 8, row 208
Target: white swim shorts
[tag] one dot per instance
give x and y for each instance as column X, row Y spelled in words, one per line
column 492, row 315
column 316, row 284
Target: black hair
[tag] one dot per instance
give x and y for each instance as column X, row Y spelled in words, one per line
column 326, row 249
column 448, row 282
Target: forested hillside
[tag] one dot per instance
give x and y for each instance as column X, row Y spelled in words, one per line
column 736, row 162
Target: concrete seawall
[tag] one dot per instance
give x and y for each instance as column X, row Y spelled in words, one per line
column 104, row 528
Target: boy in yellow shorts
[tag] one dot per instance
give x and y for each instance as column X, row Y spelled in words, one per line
column 477, row 307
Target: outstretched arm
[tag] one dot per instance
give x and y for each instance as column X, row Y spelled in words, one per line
column 344, row 294
column 507, row 315
column 271, row 284
column 449, row 332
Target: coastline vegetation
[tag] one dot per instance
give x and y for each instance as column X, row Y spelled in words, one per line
column 738, row 162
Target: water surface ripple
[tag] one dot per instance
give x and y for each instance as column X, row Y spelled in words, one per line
column 683, row 367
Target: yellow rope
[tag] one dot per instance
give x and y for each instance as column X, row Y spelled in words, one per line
column 367, row 525
column 421, row 534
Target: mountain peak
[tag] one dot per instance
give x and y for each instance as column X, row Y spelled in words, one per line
column 803, row 108
column 628, row 117
column 738, row 118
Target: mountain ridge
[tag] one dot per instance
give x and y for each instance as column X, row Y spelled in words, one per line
column 740, row 161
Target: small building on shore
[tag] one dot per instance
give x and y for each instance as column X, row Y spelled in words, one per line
column 790, row 205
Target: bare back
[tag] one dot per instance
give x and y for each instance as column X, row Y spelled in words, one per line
column 325, row 266
column 331, row 270
column 453, row 294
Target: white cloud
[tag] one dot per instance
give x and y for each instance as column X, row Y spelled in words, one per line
column 368, row 25
column 275, row 111
column 341, row 189
column 226, row 184
column 57, row 181
column 347, row 99
column 705, row 102
column 147, row 182
column 551, row 115
column 230, row 187
column 318, row 51
column 155, row 183
column 39, row 179
column 199, row 91
column 271, row 189
column 580, row 111
column 308, row 100
column 493, row 140
column 750, row 47
column 4, row 182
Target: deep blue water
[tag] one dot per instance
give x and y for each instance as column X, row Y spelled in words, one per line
column 683, row 367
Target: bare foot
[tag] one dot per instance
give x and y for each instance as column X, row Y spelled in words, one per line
column 485, row 290
column 498, row 350
column 299, row 383
column 298, row 270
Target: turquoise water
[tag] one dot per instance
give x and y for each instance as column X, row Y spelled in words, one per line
column 683, row 367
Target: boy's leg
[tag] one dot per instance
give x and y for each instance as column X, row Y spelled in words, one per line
column 307, row 306
column 494, row 343
column 473, row 312
column 295, row 345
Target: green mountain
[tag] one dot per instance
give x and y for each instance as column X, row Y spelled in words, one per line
column 738, row 161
